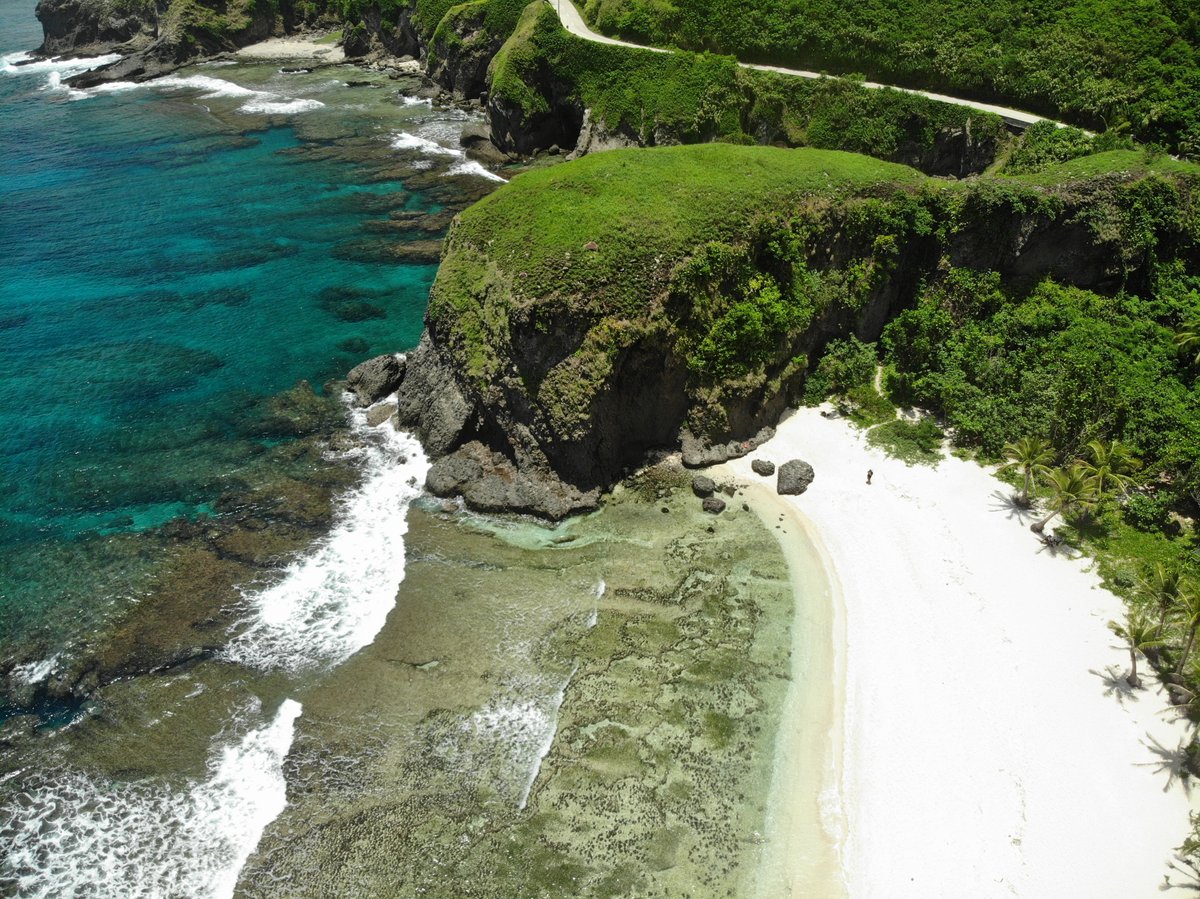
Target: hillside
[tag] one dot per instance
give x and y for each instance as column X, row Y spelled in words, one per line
column 594, row 310
column 1100, row 63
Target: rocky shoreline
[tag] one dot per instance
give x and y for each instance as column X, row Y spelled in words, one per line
column 284, row 502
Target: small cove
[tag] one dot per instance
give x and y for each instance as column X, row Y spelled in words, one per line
column 613, row 684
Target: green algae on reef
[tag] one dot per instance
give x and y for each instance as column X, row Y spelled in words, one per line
column 588, row 711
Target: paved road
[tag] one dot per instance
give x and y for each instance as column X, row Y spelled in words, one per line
column 573, row 22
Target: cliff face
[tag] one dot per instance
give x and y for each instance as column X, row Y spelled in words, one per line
column 93, row 27
column 155, row 36
column 559, row 352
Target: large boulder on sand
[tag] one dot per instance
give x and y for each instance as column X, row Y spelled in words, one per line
column 763, row 467
column 376, row 378
column 703, row 486
column 713, row 505
column 794, row 477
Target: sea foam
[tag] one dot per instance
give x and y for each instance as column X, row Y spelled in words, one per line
column 24, row 63
column 210, row 88
column 333, row 601
column 428, row 146
column 75, row 836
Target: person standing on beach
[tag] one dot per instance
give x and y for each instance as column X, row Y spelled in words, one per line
column 870, row 474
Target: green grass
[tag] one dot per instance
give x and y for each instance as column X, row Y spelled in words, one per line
column 1136, row 163
column 641, row 207
column 332, row 38
column 913, row 443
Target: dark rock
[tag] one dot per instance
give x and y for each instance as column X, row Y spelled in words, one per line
column 700, row 452
column 489, row 482
column 763, row 467
column 702, row 486
column 376, row 378
column 714, row 505
column 431, row 403
column 794, row 477
column 356, row 346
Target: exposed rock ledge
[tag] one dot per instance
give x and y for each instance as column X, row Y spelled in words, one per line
column 454, row 429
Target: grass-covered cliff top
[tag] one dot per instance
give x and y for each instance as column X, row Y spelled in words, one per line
column 603, row 229
column 1100, row 62
column 740, row 262
column 639, row 206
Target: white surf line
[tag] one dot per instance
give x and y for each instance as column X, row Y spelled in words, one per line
column 333, row 601
column 574, row 23
column 74, row 835
column 551, row 731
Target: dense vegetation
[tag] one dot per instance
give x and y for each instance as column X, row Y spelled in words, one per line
column 1102, row 63
column 588, row 246
column 688, row 97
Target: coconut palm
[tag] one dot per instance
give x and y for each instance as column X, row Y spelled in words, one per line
column 1161, row 585
column 1188, row 607
column 1110, row 465
column 1032, row 456
column 1071, row 489
column 1140, row 635
column 1187, row 338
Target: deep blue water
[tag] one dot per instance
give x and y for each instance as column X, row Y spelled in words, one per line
column 165, row 258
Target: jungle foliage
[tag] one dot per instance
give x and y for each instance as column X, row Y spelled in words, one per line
column 1101, row 63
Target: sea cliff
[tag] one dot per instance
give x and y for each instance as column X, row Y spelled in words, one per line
column 640, row 301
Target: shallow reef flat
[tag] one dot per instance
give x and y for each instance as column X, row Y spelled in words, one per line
column 588, row 710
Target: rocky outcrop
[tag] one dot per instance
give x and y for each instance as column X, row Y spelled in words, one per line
column 490, row 482
column 543, row 377
column 392, row 34
column 700, row 452
column 376, row 378
column 461, row 50
column 794, row 478
column 154, row 41
column 94, row 27
column 762, row 468
column 526, row 132
column 432, row 404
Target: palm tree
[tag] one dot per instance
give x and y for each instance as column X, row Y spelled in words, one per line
column 1110, row 466
column 1072, row 489
column 1188, row 605
column 1162, row 584
column 1033, row 456
column 1140, row 635
column 1187, row 338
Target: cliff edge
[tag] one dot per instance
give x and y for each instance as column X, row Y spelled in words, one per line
column 588, row 314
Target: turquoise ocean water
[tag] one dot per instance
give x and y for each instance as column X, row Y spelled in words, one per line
column 167, row 255
column 173, row 256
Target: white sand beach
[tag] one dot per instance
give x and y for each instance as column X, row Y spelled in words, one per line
column 987, row 745
column 297, row 47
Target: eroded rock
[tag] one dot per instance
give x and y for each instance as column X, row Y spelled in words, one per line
column 376, row 378
column 794, row 477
